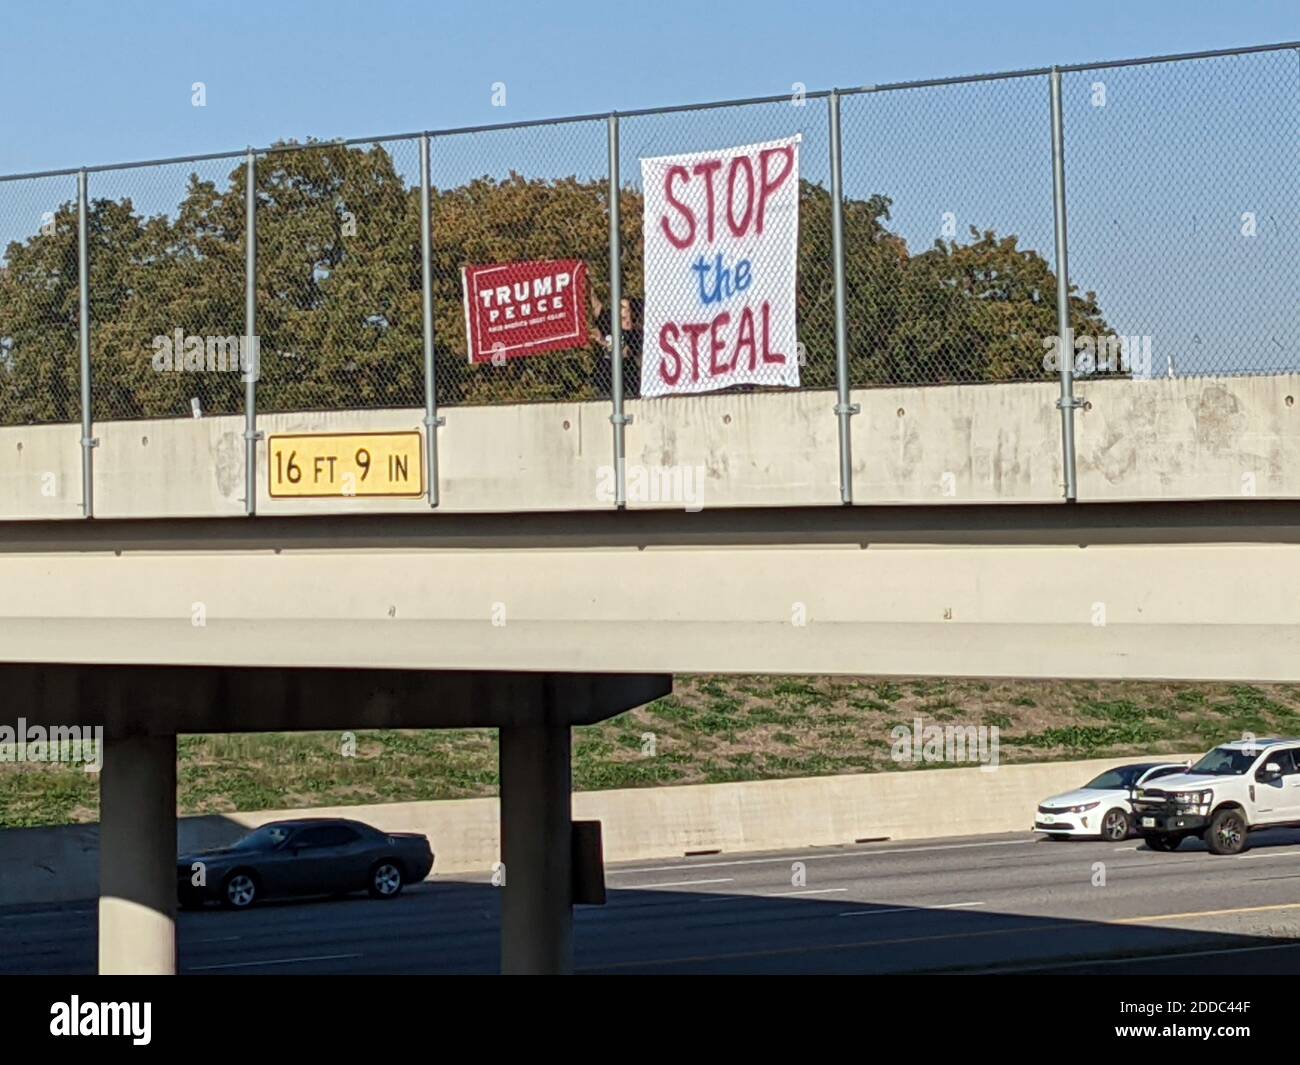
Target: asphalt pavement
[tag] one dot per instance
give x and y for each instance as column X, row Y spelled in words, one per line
column 1011, row 903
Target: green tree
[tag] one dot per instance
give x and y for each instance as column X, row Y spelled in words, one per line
column 488, row 221
column 339, row 292
column 39, row 291
column 975, row 312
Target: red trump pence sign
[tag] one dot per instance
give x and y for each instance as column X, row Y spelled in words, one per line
column 518, row 309
column 721, row 247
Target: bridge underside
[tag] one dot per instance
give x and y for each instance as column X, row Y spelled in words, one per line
column 142, row 708
column 161, row 699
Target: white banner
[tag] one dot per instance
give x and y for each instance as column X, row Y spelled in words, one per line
column 721, row 249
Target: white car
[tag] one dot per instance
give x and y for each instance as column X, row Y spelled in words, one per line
column 1102, row 808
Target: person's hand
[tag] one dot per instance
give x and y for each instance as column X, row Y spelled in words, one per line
column 596, row 336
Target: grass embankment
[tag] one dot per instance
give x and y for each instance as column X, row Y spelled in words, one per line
column 711, row 729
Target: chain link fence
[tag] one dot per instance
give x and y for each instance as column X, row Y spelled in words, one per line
column 537, row 192
column 1181, row 179
column 339, row 314
column 39, row 302
column 166, row 289
column 948, row 232
column 706, row 130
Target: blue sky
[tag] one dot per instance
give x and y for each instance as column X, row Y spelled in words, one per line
column 87, row 83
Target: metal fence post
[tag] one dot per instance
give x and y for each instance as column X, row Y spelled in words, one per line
column 253, row 362
column 618, row 419
column 1065, row 339
column 431, row 419
column 88, row 442
column 844, row 410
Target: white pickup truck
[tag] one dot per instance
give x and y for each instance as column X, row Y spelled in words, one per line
column 1235, row 789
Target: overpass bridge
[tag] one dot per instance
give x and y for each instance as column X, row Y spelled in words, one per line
column 526, row 602
column 930, row 501
column 957, row 556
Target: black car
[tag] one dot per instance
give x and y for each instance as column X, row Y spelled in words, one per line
column 311, row 856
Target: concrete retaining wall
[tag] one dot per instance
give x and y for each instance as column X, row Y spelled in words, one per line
column 59, row 864
column 1183, row 438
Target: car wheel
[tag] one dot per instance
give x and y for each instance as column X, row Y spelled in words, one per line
column 240, row 890
column 385, row 880
column 1226, row 833
column 1163, row 842
column 1115, row 825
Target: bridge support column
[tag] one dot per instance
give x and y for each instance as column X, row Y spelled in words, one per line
column 536, row 841
column 137, row 855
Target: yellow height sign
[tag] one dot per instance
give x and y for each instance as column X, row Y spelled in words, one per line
column 342, row 465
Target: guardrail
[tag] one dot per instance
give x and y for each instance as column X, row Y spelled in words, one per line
column 1128, row 219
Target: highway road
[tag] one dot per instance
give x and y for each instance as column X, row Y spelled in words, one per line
column 1009, row 903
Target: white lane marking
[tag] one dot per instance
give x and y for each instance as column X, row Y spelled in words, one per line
column 1196, row 859
column 1144, row 957
column 1118, row 849
column 913, row 909
column 37, row 914
column 778, row 894
column 1204, row 858
column 1265, row 855
column 686, row 863
column 273, row 961
column 680, row 883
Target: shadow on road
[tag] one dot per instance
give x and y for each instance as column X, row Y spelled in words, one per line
column 452, row 926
